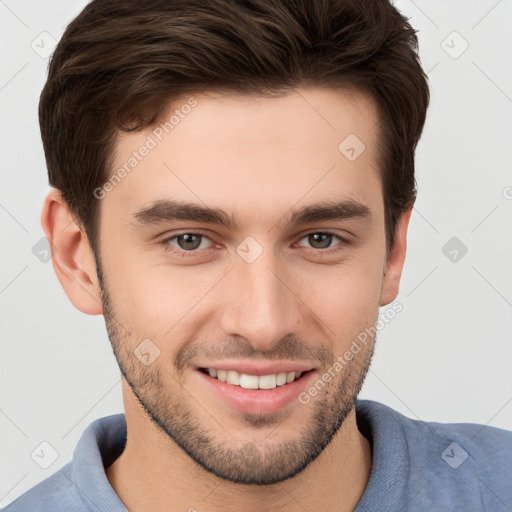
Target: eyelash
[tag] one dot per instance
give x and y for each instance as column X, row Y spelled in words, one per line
column 192, row 253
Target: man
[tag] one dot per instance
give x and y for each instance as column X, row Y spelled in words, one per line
column 232, row 187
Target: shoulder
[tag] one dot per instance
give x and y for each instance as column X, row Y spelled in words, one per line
column 466, row 462
column 450, row 464
column 81, row 485
column 480, row 441
column 57, row 492
column 455, row 443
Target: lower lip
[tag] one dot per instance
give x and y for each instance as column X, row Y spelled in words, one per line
column 258, row 401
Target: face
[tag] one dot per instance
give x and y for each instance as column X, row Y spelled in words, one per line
column 246, row 240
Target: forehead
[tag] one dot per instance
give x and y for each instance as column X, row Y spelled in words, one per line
column 261, row 153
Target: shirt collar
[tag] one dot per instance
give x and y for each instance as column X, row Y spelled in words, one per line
column 390, row 465
column 101, row 443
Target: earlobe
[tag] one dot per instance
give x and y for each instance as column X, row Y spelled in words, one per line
column 72, row 257
column 395, row 261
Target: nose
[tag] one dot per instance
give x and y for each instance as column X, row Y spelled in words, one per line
column 260, row 302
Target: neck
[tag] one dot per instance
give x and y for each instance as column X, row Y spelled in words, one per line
column 153, row 473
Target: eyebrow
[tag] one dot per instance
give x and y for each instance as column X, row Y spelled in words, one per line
column 170, row 210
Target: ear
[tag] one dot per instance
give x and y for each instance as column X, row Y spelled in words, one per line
column 395, row 261
column 72, row 257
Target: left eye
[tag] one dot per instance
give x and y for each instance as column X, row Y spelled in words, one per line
column 322, row 240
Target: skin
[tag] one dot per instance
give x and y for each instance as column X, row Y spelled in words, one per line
column 259, row 159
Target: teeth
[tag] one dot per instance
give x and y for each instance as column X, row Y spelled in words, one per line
column 267, row 381
column 281, row 378
column 233, row 378
column 247, row 381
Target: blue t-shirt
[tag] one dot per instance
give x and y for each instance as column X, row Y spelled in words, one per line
column 417, row 466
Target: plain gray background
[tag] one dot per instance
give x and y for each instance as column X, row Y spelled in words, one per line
column 446, row 357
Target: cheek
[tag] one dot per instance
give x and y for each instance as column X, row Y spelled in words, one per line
column 346, row 297
column 353, row 282
column 158, row 301
column 349, row 302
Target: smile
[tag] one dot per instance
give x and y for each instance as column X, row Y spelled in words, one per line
column 247, row 381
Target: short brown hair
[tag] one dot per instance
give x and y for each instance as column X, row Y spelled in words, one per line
column 119, row 63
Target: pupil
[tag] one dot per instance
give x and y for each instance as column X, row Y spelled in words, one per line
column 188, row 239
column 325, row 237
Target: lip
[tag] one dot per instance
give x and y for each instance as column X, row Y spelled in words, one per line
column 256, row 401
column 258, row 368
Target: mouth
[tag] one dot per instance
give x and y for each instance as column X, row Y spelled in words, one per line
column 248, row 381
column 254, row 394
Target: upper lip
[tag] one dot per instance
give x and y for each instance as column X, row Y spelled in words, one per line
column 258, row 367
